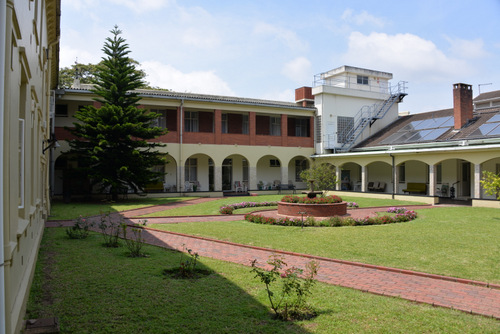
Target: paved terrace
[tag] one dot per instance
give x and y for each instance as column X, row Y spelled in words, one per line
column 461, row 294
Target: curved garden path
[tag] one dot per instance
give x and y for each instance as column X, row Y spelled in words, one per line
column 460, row 294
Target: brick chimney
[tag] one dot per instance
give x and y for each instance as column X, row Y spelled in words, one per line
column 462, row 104
column 303, row 95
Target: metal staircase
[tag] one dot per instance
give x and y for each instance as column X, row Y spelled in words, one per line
column 367, row 115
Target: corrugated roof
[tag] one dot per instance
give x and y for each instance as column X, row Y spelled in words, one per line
column 487, row 96
column 209, row 98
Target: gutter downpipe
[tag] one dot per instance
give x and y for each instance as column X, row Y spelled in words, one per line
column 181, row 127
column 3, row 31
column 392, row 176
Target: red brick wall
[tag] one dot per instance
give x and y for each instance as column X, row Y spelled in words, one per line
column 316, row 210
column 462, row 104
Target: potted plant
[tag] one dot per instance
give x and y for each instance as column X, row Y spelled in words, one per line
column 260, row 185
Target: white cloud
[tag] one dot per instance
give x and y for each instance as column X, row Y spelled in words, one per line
column 141, row 6
column 469, row 49
column 361, row 19
column 203, row 82
column 285, row 36
column 201, row 38
column 298, row 70
column 407, row 55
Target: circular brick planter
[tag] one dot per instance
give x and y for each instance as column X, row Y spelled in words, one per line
column 315, row 210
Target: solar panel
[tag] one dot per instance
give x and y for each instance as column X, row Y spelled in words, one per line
column 495, row 131
column 484, row 129
column 434, row 134
column 495, row 118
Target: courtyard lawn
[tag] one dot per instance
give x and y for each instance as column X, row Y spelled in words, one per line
column 454, row 241
column 212, row 207
column 60, row 210
column 100, row 290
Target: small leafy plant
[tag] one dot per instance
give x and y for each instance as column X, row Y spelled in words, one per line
column 286, row 291
column 136, row 242
column 110, row 230
column 316, row 200
column 80, row 229
column 352, row 205
column 187, row 266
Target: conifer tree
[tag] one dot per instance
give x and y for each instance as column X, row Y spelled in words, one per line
column 112, row 142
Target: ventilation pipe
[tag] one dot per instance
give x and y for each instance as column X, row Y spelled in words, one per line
column 3, row 30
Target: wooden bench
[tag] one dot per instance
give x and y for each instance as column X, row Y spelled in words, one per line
column 414, row 187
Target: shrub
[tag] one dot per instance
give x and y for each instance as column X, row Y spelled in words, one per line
column 352, row 205
column 288, row 297
column 110, row 230
column 228, row 209
column 80, row 229
column 316, row 200
column 136, row 242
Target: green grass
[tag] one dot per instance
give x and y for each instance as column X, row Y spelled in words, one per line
column 98, row 290
column 454, row 241
column 60, row 210
column 212, row 207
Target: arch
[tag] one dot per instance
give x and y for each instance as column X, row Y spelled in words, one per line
column 170, row 178
column 197, row 173
column 350, row 176
column 268, row 172
column 235, row 172
column 296, row 165
column 68, row 180
column 379, row 176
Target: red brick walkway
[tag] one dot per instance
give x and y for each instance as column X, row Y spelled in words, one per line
column 464, row 295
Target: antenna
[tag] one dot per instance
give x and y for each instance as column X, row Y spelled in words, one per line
column 485, row 84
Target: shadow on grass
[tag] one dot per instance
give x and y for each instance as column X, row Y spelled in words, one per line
column 94, row 289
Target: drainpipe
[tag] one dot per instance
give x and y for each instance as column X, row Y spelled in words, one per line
column 392, row 176
column 3, row 30
column 180, row 184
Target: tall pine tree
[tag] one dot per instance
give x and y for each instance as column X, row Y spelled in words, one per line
column 112, row 142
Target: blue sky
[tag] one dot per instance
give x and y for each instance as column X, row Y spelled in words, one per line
column 266, row 49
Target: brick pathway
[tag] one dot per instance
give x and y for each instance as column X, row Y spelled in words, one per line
column 460, row 294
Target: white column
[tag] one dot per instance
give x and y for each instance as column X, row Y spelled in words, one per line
column 477, row 180
column 432, row 180
column 338, row 175
column 252, row 175
column 217, row 178
column 284, row 174
column 363, row 178
column 180, row 178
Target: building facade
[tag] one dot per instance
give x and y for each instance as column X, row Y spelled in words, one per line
column 29, row 51
column 349, row 119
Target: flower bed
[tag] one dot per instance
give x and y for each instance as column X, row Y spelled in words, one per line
column 326, row 206
column 228, row 209
column 335, row 221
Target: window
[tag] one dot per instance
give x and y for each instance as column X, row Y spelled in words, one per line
column 191, row 170
column 362, row 80
column 61, row 110
column 245, row 170
column 20, row 202
column 161, row 121
column 191, row 121
column 224, row 123
column 344, row 126
column 300, row 165
column 402, row 173
column 274, row 163
column 275, row 126
column 301, row 127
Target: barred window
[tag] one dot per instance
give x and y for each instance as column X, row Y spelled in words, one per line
column 344, row 126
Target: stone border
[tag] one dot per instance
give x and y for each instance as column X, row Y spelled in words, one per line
column 315, row 210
